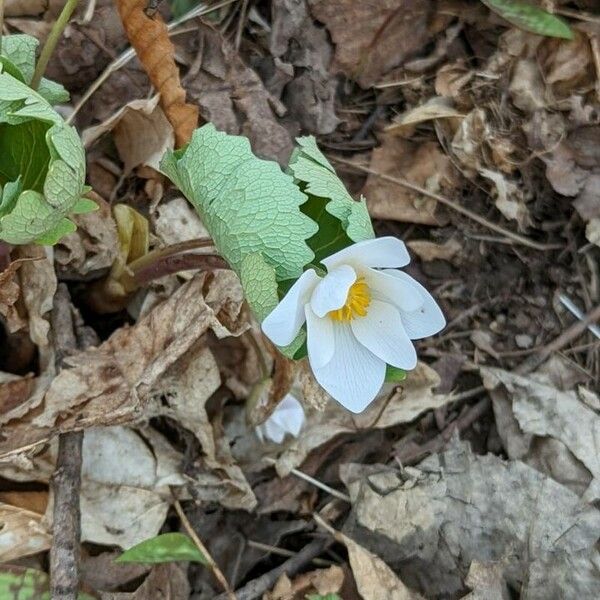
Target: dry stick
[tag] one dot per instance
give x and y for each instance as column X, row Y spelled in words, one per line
column 515, row 237
column 257, row 587
column 211, row 561
column 53, row 37
column 571, row 334
column 66, row 480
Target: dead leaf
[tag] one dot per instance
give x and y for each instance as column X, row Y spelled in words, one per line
column 374, row 36
column 232, row 96
column 300, row 46
column 150, row 38
column 177, row 221
column 92, row 247
column 165, row 582
column 413, row 397
column 22, row 533
column 592, row 231
column 25, row 8
column 508, row 198
column 141, row 133
column 552, row 430
column 9, row 294
column 428, row 251
column 432, row 522
column 437, row 107
column 111, row 384
column 319, row 582
column 487, row 581
column 14, row 391
column 422, row 164
column 100, row 571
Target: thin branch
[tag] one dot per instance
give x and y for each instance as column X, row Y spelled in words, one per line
column 257, row 587
column 51, row 42
column 214, row 567
column 515, row 237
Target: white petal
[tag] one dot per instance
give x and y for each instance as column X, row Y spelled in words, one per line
column 273, row 431
column 425, row 321
column 354, row 375
column 282, row 324
column 382, row 332
column 289, row 415
column 319, row 338
column 386, row 252
column 399, row 292
column 332, row 291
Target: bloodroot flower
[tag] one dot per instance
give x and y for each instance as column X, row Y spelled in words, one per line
column 360, row 317
column 287, row 419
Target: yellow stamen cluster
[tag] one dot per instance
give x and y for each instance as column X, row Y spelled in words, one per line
column 357, row 302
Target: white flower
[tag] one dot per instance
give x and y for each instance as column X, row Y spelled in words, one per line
column 288, row 417
column 359, row 317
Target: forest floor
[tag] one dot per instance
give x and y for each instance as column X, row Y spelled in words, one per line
column 476, row 143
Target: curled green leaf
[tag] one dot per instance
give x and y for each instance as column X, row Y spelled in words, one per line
column 341, row 219
column 42, row 167
column 163, row 548
column 530, row 18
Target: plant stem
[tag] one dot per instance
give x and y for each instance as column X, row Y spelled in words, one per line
column 51, row 41
column 1, row 22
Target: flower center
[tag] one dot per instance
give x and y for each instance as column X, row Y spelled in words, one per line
column 357, row 302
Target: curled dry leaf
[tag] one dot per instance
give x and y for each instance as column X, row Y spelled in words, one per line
column 9, row 294
column 92, row 247
column 141, row 132
column 428, row 251
column 150, row 38
column 316, row 583
column 111, row 384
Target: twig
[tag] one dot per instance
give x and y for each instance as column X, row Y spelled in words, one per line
column 571, row 334
column 315, row 482
column 66, row 480
column 51, row 41
column 319, row 562
column 515, row 237
column 257, row 587
column 214, row 567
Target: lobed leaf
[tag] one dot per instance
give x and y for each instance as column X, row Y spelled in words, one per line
column 163, row 548
column 341, row 219
column 42, row 161
column 530, row 18
column 247, row 204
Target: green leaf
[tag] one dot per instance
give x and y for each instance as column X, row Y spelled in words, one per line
column 247, row 204
column 163, row 548
column 45, row 156
column 530, row 18
column 20, row 583
column 341, row 219
column 18, row 59
column 260, row 285
column 84, row 206
column 323, row 597
column 394, row 375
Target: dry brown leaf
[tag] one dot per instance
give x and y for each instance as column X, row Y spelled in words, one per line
column 437, row 107
column 92, row 247
column 232, row 96
column 428, row 251
column 141, row 133
column 422, row 164
column 165, row 582
column 374, row 36
column 176, row 221
column 9, row 294
column 25, row 8
column 413, row 397
column 38, row 284
column 487, row 581
column 319, row 582
column 14, row 392
column 592, row 231
column 110, row 384
column 150, row 38
column 22, row 533
column 100, row 572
